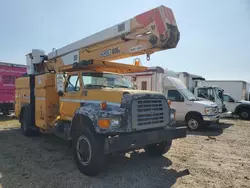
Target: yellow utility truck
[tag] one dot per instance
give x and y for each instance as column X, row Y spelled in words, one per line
column 79, row 94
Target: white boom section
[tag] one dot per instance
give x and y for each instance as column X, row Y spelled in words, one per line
column 107, row 34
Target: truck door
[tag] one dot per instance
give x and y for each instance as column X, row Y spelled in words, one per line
column 70, row 101
column 229, row 102
column 177, row 102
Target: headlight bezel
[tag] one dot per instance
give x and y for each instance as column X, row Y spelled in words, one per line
column 209, row 110
column 113, row 123
column 172, row 114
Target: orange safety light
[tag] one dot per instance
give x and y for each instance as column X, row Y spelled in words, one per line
column 103, row 105
column 137, row 62
column 104, row 123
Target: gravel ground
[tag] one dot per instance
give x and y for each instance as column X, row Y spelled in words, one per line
column 216, row 157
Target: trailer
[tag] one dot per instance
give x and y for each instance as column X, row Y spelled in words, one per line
column 238, row 89
column 8, row 73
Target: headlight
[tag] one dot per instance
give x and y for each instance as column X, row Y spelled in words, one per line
column 172, row 116
column 114, row 123
column 208, row 110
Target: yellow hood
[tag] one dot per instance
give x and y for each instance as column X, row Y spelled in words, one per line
column 113, row 95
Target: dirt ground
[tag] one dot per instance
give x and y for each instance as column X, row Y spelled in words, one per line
column 216, row 157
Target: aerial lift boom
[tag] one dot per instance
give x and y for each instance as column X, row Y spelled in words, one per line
column 146, row 33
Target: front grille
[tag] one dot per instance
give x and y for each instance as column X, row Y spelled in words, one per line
column 149, row 113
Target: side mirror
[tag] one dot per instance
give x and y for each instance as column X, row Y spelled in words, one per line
column 181, row 99
column 169, row 102
column 220, row 95
column 134, row 87
column 60, row 84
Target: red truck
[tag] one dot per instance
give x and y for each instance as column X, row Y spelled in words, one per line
column 8, row 73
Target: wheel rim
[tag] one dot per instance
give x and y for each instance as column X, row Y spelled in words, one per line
column 193, row 124
column 244, row 114
column 83, row 148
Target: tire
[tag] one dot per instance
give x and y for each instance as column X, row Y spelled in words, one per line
column 26, row 123
column 6, row 113
column 244, row 114
column 93, row 163
column 158, row 149
column 195, row 122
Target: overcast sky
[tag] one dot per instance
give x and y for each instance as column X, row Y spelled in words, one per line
column 214, row 42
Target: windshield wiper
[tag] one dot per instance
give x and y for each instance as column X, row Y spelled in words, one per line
column 122, row 86
column 99, row 86
column 194, row 99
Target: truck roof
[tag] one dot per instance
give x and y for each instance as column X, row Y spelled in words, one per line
column 12, row 64
column 227, row 81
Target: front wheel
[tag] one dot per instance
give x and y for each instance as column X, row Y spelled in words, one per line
column 244, row 114
column 158, row 149
column 194, row 122
column 88, row 149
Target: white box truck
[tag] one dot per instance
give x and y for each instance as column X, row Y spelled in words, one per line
column 238, row 89
column 235, row 96
column 192, row 111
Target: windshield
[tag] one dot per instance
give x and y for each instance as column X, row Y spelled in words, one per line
column 188, row 94
column 100, row 80
column 207, row 93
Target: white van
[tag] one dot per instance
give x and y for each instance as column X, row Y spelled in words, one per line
column 194, row 112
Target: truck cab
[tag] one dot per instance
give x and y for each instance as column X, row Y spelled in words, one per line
column 200, row 88
column 211, row 93
column 239, row 108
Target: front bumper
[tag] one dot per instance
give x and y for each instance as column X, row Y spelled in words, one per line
column 138, row 140
column 211, row 118
column 226, row 114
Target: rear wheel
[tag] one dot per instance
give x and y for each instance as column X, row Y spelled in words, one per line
column 26, row 123
column 6, row 112
column 244, row 114
column 159, row 148
column 195, row 122
column 88, row 148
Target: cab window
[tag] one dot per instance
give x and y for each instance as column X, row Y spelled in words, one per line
column 73, row 84
column 227, row 98
column 175, row 95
